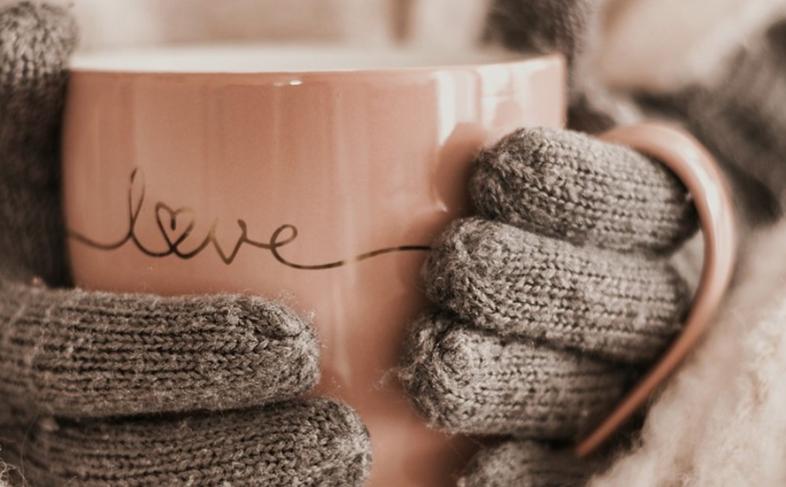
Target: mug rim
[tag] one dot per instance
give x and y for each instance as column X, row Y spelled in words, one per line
column 698, row 170
column 90, row 62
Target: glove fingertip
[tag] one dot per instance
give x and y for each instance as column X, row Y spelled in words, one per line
column 106, row 354
column 567, row 185
column 269, row 319
column 526, row 464
column 462, row 256
column 32, row 30
column 350, row 442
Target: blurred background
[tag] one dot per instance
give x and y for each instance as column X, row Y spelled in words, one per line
column 652, row 44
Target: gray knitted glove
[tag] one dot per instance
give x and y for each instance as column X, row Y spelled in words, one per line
column 554, row 299
column 550, row 301
column 67, row 353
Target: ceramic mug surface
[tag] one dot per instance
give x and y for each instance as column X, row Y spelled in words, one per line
column 318, row 176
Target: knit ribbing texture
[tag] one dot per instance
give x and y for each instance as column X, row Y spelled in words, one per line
column 550, row 302
column 302, row 443
column 471, row 381
column 525, row 464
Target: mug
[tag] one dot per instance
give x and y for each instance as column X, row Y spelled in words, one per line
column 318, row 175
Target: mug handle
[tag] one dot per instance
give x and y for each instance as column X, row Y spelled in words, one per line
column 699, row 172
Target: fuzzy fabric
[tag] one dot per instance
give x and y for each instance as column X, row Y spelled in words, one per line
column 720, row 421
column 620, row 307
column 78, row 353
column 528, row 464
column 470, row 381
column 314, row 443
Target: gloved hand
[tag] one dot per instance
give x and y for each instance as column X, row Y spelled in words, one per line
column 84, row 376
column 553, row 300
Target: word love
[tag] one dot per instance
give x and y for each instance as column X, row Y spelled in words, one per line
column 176, row 235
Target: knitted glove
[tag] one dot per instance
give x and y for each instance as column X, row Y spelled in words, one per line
column 554, row 299
column 551, row 301
column 70, row 359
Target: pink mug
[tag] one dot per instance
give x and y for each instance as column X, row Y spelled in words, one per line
column 316, row 175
